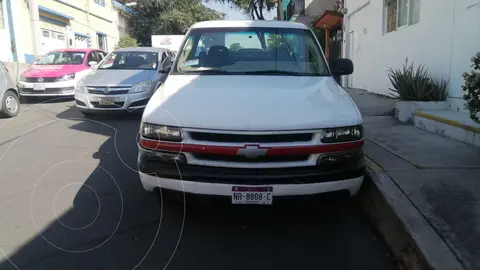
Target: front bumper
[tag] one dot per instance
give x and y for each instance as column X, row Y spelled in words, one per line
column 129, row 101
column 157, row 172
column 151, row 182
column 66, row 88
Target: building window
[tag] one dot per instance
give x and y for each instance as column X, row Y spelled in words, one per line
column 414, row 11
column 400, row 13
column 100, row 2
column 102, row 41
column 391, row 9
column 2, row 25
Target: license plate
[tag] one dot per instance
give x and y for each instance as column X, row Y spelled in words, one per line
column 106, row 101
column 39, row 87
column 252, row 195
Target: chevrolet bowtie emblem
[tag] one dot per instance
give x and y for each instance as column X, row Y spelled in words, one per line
column 252, row 151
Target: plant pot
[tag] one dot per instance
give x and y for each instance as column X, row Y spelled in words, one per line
column 404, row 110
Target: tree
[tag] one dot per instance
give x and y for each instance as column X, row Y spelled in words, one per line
column 167, row 17
column 254, row 8
column 235, row 46
column 127, row 41
column 472, row 89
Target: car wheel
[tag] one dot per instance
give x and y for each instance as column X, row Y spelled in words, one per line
column 10, row 104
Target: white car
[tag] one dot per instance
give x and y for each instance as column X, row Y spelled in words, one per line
column 256, row 117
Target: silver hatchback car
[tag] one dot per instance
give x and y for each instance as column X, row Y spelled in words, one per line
column 124, row 80
column 9, row 101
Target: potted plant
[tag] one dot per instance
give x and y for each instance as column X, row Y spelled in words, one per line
column 416, row 91
column 472, row 89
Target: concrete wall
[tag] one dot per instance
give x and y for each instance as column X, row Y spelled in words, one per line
column 15, row 69
column 25, row 33
column 313, row 10
column 443, row 40
column 316, row 8
column 122, row 24
column 89, row 18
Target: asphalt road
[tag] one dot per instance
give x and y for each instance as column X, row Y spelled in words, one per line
column 70, row 198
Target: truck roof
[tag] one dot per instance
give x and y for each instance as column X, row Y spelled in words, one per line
column 249, row 23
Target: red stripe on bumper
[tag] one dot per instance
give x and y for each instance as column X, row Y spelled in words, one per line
column 232, row 150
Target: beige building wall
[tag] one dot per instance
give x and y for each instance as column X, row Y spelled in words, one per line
column 75, row 19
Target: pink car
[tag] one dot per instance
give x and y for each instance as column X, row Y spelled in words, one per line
column 58, row 72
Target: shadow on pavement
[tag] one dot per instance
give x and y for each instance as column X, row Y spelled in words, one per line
column 45, row 100
column 115, row 224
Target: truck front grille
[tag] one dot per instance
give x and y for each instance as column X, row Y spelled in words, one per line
column 248, row 138
column 262, row 159
column 114, row 90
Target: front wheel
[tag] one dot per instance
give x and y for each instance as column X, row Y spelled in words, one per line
column 10, row 104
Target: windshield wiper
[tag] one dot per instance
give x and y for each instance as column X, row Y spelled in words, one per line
column 269, row 72
column 212, row 71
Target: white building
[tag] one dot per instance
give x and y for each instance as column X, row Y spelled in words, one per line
column 31, row 28
column 306, row 11
column 123, row 16
column 441, row 34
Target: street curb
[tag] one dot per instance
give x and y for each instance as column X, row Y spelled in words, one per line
column 446, row 121
column 413, row 241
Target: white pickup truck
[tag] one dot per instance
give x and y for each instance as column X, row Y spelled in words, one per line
column 255, row 117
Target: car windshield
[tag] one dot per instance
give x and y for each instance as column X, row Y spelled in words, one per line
column 62, row 58
column 252, row 50
column 130, row 60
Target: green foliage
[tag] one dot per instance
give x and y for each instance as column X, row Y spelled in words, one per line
column 167, row 17
column 472, row 89
column 235, row 46
column 127, row 41
column 273, row 41
column 416, row 84
column 253, row 8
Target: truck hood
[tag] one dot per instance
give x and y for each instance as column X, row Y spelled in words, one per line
column 37, row 71
column 251, row 103
column 117, row 77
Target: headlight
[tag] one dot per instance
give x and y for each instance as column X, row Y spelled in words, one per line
column 142, row 87
column 22, row 78
column 81, row 88
column 159, row 132
column 343, row 134
column 66, row 77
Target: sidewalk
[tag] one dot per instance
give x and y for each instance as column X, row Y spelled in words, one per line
column 440, row 177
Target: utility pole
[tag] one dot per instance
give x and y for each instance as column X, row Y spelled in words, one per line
column 279, row 10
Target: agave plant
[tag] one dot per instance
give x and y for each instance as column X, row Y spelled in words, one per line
column 415, row 84
column 439, row 90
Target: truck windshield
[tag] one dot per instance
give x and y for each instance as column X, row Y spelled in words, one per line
column 130, row 60
column 252, row 51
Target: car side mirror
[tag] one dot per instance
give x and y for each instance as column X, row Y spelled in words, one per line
column 341, row 66
column 93, row 64
column 166, row 65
